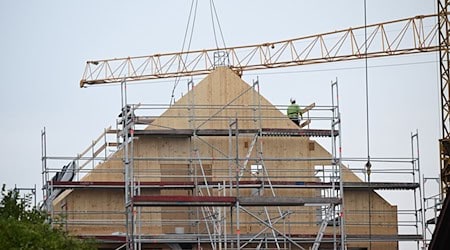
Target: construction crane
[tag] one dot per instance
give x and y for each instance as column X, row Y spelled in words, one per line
column 419, row 34
column 416, row 35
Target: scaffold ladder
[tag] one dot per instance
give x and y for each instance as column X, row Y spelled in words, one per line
column 322, row 228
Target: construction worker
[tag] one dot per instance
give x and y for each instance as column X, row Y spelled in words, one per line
column 294, row 111
column 126, row 117
column 128, row 114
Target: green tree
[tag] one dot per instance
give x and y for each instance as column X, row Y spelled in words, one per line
column 24, row 227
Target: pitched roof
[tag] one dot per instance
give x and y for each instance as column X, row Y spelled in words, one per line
column 219, row 97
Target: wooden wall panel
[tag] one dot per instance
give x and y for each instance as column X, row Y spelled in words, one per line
column 176, row 218
column 221, row 88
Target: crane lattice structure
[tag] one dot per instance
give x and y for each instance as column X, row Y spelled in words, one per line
column 411, row 35
column 444, row 43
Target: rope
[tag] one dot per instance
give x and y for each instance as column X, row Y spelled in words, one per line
column 214, row 14
column 368, row 164
column 193, row 10
column 193, row 15
column 367, row 82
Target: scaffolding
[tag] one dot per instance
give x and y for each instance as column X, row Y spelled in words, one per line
column 231, row 195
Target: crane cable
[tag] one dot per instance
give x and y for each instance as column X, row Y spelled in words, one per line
column 212, row 8
column 368, row 164
column 193, row 15
column 366, row 89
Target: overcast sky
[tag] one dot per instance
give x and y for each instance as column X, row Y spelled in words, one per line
column 44, row 46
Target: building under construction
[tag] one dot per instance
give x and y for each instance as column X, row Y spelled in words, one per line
column 224, row 168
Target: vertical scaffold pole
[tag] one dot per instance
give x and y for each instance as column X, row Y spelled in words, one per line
column 45, row 178
column 230, row 173
column 336, row 122
column 127, row 134
column 234, row 125
column 420, row 212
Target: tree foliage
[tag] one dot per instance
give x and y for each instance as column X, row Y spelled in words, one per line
column 25, row 227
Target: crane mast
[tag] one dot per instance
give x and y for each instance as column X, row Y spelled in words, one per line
column 444, row 43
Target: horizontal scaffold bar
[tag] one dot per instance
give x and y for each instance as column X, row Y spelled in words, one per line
column 242, row 184
column 301, row 238
column 179, row 200
column 226, row 132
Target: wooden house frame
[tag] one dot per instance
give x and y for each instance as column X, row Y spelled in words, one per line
column 222, row 168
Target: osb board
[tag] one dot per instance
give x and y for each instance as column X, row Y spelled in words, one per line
column 270, row 148
column 219, row 97
column 357, row 211
column 382, row 218
column 161, row 150
column 101, row 212
column 173, row 218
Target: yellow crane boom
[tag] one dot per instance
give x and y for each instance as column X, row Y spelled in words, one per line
column 399, row 37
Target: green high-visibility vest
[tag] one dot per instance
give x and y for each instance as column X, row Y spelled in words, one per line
column 293, row 110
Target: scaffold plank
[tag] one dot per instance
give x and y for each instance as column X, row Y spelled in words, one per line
column 203, row 201
column 381, row 185
column 302, row 238
column 121, row 184
column 287, row 201
column 180, row 200
column 225, row 132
